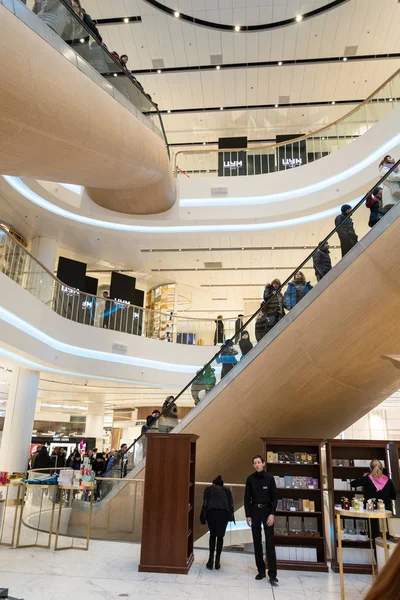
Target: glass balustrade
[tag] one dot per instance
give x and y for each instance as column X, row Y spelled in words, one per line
column 70, row 23
column 19, row 265
column 269, row 158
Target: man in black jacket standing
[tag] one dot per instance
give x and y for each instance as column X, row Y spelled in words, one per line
column 322, row 261
column 260, row 501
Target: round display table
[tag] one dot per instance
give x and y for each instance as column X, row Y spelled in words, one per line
column 382, row 515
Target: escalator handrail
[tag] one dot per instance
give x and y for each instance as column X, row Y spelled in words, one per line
column 287, row 280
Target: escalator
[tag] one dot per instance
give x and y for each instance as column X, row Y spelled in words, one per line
column 71, row 112
column 321, row 368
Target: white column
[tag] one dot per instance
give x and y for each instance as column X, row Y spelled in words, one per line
column 45, row 251
column 95, row 419
column 18, row 422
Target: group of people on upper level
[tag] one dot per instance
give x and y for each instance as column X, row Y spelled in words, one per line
column 57, row 17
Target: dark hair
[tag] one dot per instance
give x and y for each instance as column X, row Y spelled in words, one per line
column 122, row 445
column 155, row 411
column 258, row 456
column 218, row 480
column 99, row 455
column 384, row 160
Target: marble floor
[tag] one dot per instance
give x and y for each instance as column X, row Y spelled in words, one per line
column 109, row 572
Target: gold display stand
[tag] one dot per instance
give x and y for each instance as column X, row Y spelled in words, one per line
column 63, row 489
column 42, row 488
column 16, row 504
column 361, row 514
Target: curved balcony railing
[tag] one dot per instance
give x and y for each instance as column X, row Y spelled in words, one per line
column 22, row 267
column 268, row 158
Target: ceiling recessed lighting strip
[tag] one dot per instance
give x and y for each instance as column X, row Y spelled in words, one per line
column 26, row 362
column 243, row 28
column 29, row 194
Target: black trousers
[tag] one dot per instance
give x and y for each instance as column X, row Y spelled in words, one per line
column 259, row 518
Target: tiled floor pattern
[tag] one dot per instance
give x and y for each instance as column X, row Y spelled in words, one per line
column 109, row 572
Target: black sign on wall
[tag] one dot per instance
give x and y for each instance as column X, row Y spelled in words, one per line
column 232, row 164
column 91, row 284
column 122, row 287
column 291, row 155
column 71, row 272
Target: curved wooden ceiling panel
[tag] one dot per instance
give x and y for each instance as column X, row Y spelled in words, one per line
column 56, row 124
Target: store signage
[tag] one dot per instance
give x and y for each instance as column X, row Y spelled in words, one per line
column 291, row 162
column 233, row 164
column 87, row 304
column 70, row 291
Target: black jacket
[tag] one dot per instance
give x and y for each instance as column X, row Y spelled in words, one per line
column 322, row 262
column 217, row 497
column 245, row 346
column 347, row 229
column 99, row 467
column 219, row 332
column 260, row 489
column 275, row 302
column 386, row 494
column 42, row 460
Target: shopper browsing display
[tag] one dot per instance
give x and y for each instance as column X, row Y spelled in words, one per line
column 376, row 485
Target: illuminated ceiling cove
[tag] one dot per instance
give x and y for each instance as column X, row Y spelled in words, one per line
column 242, row 28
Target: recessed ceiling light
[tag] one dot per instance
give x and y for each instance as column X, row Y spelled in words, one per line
column 221, row 108
column 204, row 143
column 126, row 20
column 177, row 14
column 180, row 249
column 333, row 102
column 82, row 40
column 299, row 18
column 208, row 170
column 390, row 99
column 344, row 58
column 280, row 63
column 151, row 250
column 323, row 138
column 115, row 74
column 218, row 67
column 237, row 27
column 168, row 111
column 276, row 105
column 158, row 70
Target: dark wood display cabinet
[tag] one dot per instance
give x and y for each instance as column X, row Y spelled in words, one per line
column 348, row 460
column 168, row 513
column 299, row 520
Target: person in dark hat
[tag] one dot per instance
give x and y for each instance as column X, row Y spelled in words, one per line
column 322, row 261
column 347, row 236
column 217, row 511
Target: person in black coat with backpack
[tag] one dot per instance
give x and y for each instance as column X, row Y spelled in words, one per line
column 217, row 511
column 322, row 261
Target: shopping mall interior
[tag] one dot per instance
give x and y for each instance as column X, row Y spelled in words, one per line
column 199, row 333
